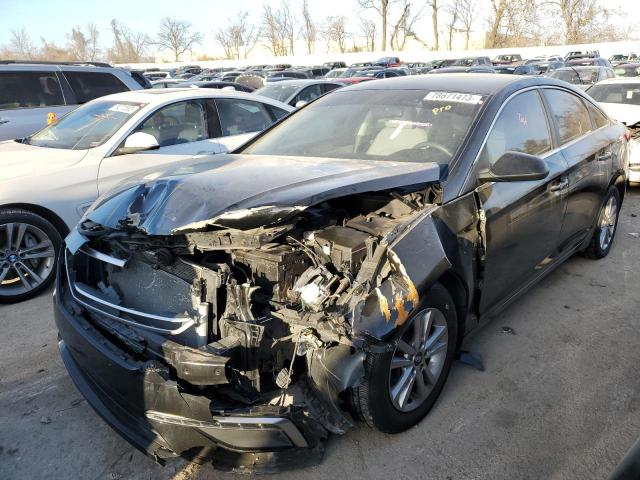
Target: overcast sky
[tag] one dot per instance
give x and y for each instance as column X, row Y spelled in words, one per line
column 53, row 19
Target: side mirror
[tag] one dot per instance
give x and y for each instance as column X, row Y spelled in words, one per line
column 301, row 103
column 515, row 167
column 138, row 142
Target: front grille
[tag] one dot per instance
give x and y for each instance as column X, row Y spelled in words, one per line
column 138, row 295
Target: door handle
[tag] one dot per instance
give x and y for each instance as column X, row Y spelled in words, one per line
column 603, row 157
column 558, row 185
column 4, row 120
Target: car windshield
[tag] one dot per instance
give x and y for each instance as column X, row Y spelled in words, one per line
column 627, row 71
column 278, row 92
column 392, row 125
column 584, row 76
column 86, row 127
column 615, row 58
column 463, row 62
column 626, row 93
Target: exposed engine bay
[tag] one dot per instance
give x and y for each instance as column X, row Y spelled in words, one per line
column 279, row 314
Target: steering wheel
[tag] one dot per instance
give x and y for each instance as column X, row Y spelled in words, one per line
column 425, row 145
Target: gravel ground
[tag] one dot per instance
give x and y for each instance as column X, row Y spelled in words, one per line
column 560, row 397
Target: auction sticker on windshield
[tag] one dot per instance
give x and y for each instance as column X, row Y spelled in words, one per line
column 124, row 108
column 454, row 97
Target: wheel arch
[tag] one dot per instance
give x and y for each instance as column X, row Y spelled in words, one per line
column 620, row 182
column 459, row 291
column 44, row 212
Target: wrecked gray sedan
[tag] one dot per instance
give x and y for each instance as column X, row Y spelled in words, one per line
column 240, row 309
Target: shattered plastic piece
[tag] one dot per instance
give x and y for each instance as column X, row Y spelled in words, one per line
column 509, row 330
column 45, row 420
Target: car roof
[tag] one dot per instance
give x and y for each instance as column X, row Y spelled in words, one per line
column 477, row 83
column 619, row 80
column 299, row 82
column 157, row 96
column 580, row 67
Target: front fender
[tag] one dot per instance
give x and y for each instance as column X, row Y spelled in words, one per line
column 414, row 261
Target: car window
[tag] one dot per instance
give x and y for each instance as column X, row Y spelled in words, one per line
column 328, row 87
column 89, row 126
column 242, row 116
column 307, row 94
column 181, row 122
column 520, row 127
column 627, row 93
column 29, row 90
column 90, row 85
column 277, row 113
column 599, row 118
column 569, row 113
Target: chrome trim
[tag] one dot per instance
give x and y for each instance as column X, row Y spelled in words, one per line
column 281, row 423
column 83, row 291
column 103, row 257
column 185, row 322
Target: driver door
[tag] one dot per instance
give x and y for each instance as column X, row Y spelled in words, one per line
column 523, row 218
column 182, row 129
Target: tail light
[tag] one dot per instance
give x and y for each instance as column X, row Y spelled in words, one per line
column 627, row 136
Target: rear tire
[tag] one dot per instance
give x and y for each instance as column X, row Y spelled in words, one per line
column 606, row 226
column 29, row 249
column 383, row 401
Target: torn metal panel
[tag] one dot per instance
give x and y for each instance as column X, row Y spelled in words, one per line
column 204, row 191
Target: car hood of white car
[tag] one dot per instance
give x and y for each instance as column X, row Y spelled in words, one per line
column 627, row 114
column 21, row 160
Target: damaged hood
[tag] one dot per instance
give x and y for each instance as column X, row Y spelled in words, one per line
column 245, row 190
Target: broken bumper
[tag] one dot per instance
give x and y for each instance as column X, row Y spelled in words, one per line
column 143, row 404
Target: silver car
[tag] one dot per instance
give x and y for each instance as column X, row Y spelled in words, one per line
column 49, row 179
column 34, row 95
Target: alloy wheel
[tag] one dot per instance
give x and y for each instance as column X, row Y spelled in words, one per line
column 27, row 258
column 608, row 222
column 418, row 360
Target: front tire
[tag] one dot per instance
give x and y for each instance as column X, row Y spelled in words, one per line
column 401, row 386
column 29, row 246
column 606, row 226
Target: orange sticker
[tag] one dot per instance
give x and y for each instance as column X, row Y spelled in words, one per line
column 51, row 118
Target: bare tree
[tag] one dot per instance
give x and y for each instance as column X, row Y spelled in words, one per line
column 382, row 8
column 404, row 27
column 93, row 34
column 435, row 6
column 579, row 18
column 454, row 11
column 515, row 23
column 51, row 52
column 128, row 46
column 278, row 29
column 467, row 15
column 309, row 31
column 175, row 35
column 336, row 33
column 239, row 38
column 368, row 29
column 83, row 46
column 21, row 45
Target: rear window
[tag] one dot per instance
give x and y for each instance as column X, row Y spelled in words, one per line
column 90, row 85
column 29, row 90
column 628, row 94
column 570, row 115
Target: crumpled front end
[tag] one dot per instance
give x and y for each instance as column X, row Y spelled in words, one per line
column 239, row 344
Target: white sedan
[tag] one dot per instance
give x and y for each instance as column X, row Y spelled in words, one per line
column 620, row 98
column 49, row 179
